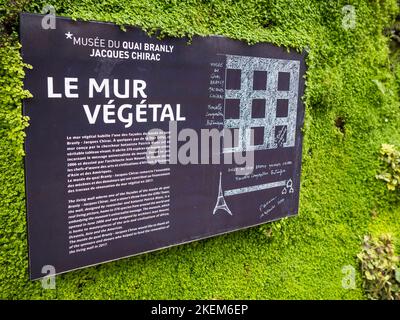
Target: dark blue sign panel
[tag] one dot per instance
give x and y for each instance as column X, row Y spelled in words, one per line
column 137, row 143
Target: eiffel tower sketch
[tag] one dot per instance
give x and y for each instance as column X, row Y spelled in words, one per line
column 221, row 204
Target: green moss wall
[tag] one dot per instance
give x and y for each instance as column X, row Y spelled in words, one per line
column 352, row 107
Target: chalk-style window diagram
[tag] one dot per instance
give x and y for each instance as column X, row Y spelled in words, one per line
column 261, row 94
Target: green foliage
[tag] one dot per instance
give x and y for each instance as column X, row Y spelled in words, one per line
column 352, row 104
column 9, row 11
column 391, row 174
column 379, row 265
column 13, row 246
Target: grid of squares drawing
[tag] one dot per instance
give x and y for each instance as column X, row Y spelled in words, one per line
column 261, row 94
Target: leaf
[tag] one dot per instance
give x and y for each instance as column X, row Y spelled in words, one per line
column 397, row 275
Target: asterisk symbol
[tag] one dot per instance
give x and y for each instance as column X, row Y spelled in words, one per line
column 69, row 35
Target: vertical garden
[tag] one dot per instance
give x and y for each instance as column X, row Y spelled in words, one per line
column 349, row 198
